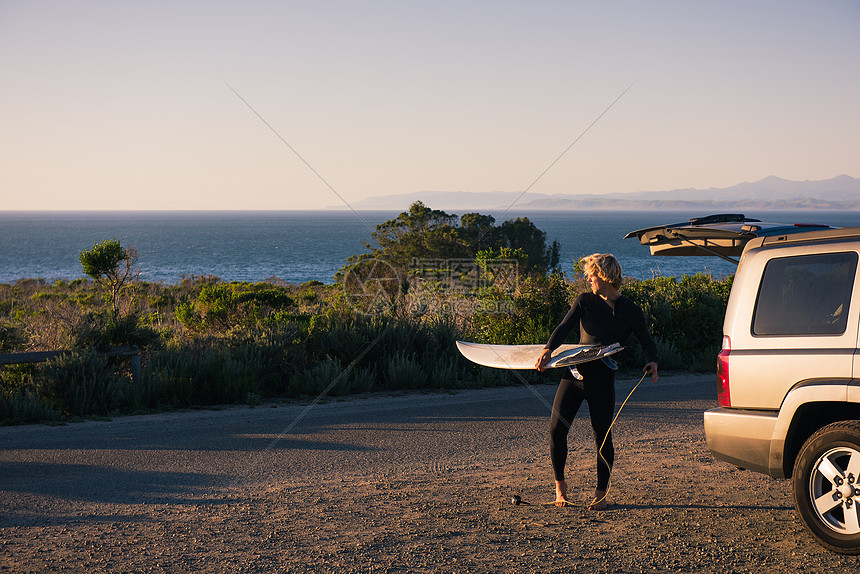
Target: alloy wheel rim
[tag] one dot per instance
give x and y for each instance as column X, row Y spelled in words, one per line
column 834, row 489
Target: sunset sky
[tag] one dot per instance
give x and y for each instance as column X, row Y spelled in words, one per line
column 128, row 105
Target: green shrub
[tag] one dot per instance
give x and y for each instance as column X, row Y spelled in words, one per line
column 326, row 377
column 331, row 378
column 219, row 378
column 362, row 380
column 26, row 405
column 274, row 298
column 686, row 314
column 167, row 379
column 309, row 296
column 525, row 317
column 187, row 315
column 403, row 372
column 10, row 337
column 83, row 383
column 445, row 373
column 17, row 376
column 217, row 305
column 222, row 307
column 100, row 331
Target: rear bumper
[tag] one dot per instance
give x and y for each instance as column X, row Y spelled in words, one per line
column 745, row 439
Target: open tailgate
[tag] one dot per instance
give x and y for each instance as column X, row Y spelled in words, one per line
column 723, row 235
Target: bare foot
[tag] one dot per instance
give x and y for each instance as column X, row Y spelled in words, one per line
column 599, row 502
column 561, row 494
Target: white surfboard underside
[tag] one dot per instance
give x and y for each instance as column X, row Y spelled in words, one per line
column 525, row 356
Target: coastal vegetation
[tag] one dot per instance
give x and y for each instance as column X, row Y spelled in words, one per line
column 388, row 323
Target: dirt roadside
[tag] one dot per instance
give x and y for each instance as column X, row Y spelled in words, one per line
column 409, row 483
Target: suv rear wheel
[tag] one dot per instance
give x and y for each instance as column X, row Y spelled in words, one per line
column 826, row 486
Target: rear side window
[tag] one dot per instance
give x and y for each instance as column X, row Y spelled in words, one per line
column 805, row 295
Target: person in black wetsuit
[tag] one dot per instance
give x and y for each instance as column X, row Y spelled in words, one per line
column 602, row 317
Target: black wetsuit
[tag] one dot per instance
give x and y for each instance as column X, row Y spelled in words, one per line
column 598, row 324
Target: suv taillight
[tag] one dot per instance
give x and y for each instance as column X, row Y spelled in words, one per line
column 723, row 397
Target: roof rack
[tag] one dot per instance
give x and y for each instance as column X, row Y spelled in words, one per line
column 827, row 234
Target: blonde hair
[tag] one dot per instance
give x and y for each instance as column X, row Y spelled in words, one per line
column 605, row 266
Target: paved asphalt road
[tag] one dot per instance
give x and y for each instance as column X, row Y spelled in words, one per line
column 370, row 480
column 164, row 457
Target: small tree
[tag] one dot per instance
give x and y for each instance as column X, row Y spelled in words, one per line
column 110, row 265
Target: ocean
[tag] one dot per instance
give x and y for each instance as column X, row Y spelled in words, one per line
column 300, row 246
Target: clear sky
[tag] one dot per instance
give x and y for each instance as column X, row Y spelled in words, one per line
column 126, row 105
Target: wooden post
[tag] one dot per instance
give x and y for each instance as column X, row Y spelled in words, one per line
column 135, row 368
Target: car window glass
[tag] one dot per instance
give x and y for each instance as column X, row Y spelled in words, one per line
column 805, row 295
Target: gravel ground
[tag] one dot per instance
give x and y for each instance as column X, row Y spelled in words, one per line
column 407, row 483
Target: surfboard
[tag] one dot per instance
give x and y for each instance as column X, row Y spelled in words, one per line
column 525, row 356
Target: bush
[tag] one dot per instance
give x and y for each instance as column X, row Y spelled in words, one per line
column 83, row 383
column 525, row 317
column 221, row 307
column 167, row 379
column 9, row 338
column 327, row 377
column 685, row 315
column 26, row 405
column 403, row 372
column 219, row 378
column 331, row 378
column 362, row 380
column 445, row 373
column 101, row 331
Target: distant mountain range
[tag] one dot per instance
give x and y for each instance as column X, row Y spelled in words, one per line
column 774, row 193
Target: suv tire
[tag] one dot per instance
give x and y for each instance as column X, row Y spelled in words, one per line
column 826, row 486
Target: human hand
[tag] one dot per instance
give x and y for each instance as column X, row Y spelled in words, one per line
column 541, row 362
column 651, row 369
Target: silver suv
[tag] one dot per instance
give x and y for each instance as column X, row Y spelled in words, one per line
column 789, row 369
